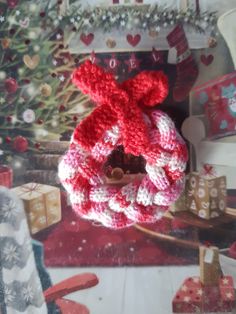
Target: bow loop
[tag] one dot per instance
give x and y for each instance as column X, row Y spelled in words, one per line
column 95, row 82
column 148, row 88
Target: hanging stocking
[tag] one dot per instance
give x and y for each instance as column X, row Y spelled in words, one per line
column 187, row 70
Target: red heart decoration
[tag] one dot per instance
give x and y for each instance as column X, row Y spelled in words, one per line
column 87, row 39
column 133, row 40
column 207, row 60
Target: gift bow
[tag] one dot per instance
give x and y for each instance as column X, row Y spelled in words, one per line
column 30, row 188
column 208, row 170
column 118, row 104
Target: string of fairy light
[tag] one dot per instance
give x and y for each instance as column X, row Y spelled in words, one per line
column 145, row 17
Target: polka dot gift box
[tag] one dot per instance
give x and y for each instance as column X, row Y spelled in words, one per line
column 206, row 196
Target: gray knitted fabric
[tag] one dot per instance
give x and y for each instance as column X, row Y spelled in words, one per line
column 20, row 287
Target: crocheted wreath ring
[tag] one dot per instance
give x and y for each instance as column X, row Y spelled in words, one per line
column 120, row 118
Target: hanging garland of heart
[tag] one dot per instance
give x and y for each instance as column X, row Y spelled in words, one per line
column 122, row 118
column 144, row 17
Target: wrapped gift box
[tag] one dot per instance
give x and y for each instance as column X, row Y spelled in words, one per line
column 206, row 197
column 218, row 98
column 42, row 205
column 6, row 176
column 209, row 266
column 211, row 292
column 180, row 204
column 194, row 297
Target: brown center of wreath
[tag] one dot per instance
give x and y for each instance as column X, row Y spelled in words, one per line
column 120, row 165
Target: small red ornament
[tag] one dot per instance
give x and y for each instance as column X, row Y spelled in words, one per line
column 62, row 108
column 9, row 119
column 26, row 81
column 37, row 145
column 7, row 139
column 75, row 118
column 42, row 14
column 11, row 85
column 40, row 121
column 12, row 3
column 20, row 144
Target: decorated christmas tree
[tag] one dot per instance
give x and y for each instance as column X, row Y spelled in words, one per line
column 36, row 98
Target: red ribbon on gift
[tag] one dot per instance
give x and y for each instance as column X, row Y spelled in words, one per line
column 30, row 188
column 208, row 170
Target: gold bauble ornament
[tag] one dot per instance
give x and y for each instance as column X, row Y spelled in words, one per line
column 111, row 43
column 45, row 90
column 5, row 42
column 212, row 42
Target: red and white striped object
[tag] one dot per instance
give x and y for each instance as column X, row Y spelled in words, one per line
column 120, row 119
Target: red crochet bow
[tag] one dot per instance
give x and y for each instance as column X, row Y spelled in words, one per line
column 118, row 104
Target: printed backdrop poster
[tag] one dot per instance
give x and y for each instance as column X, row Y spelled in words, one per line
column 40, row 109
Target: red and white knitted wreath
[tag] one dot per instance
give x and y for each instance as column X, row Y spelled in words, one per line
column 122, row 118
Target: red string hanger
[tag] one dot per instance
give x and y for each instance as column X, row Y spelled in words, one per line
column 119, row 119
